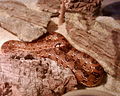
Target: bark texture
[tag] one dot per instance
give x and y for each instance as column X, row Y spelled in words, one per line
column 25, row 31
column 49, row 5
column 98, row 38
column 27, row 24
column 19, row 10
column 26, row 75
column 84, row 7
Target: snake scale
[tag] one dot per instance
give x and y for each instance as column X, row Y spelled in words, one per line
column 54, row 46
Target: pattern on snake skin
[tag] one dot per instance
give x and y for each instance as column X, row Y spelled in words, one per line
column 54, row 46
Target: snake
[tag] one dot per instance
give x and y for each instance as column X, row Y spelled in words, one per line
column 55, row 46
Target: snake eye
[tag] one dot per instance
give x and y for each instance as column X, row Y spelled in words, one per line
column 58, row 45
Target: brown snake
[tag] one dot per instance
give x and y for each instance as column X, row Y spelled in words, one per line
column 54, row 46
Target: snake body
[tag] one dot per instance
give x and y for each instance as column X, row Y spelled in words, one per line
column 54, row 46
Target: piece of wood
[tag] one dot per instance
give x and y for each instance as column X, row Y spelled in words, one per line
column 87, row 8
column 101, row 40
column 62, row 13
column 19, row 10
column 24, row 30
column 49, row 5
column 27, row 24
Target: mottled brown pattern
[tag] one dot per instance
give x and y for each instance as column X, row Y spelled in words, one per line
column 54, row 46
column 85, row 7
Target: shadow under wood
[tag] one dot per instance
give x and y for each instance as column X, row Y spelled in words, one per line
column 52, row 27
column 112, row 10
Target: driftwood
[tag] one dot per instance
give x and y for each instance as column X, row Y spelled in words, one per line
column 49, row 5
column 24, row 30
column 27, row 24
column 99, row 38
column 19, row 10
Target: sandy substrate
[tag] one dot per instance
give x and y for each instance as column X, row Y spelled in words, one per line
column 5, row 36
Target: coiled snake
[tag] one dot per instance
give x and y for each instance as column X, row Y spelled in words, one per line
column 54, row 46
